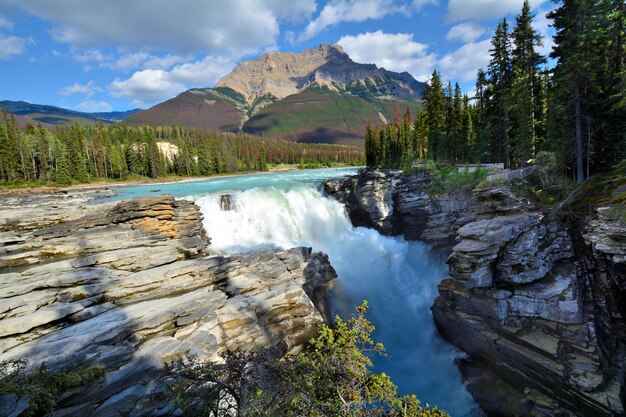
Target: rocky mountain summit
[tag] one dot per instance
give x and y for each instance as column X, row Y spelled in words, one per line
column 132, row 286
column 317, row 95
column 280, row 74
column 538, row 304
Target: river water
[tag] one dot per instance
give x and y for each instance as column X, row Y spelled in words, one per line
column 398, row 278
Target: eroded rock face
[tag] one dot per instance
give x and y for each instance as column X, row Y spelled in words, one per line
column 539, row 309
column 131, row 286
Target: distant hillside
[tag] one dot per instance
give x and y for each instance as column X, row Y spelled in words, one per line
column 200, row 107
column 52, row 115
column 319, row 95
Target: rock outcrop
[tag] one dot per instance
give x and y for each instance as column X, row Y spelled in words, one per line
column 538, row 305
column 132, row 286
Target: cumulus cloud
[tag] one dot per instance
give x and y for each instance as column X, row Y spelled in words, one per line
column 340, row 11
column 88, row 89
column 485, row 9
column 463, row 63
column 151, row 85
column 94, row 106
column 465, row 32
column 294, row 11
column 146, row 86
column 11, row 46
column 204, row 72
column 395, row 52
column 192, row 26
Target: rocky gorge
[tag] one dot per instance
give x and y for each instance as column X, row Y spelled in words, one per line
column 536, row 301
column 134, row 285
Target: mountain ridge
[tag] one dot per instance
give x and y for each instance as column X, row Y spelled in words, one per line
column 317, row 95
column 53, row 115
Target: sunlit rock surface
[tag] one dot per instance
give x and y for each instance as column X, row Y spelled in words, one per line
column 132, row 286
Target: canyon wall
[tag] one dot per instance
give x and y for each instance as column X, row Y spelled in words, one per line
column 537, row 303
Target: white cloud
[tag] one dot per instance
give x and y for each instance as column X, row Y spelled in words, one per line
column 5, row 23
column 351, row 11
column 395, row 52
column 94, row 106
column 151, row 85
column 146, row 86
column 465, row 32
column 93, row 55
column 88, row 89
column 192, row 26
column 294, row 11
column 463, row 64
column 205, row 72
column 485, row 9
column 11, row 46
column 162, row 62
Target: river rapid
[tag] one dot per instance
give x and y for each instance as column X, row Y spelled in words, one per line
column 398, row 278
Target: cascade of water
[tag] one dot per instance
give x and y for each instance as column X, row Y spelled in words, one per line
column 398, row 278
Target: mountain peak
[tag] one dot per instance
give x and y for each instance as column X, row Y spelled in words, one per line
column 276, row 75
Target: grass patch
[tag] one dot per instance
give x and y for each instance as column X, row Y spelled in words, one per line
column 447, row 178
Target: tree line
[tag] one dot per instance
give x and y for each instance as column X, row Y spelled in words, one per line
column 573, row 105
column 84, row 153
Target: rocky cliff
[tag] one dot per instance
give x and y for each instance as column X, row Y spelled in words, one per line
column 132, row 286
column 538, row 304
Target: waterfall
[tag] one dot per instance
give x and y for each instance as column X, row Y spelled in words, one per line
column 398, row 278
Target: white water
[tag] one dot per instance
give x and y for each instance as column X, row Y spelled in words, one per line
column 398, row 278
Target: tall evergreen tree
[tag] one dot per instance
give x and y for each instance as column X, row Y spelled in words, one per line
column 526, row 96
column 572, row 74
column 435, row 117
column 500, row 80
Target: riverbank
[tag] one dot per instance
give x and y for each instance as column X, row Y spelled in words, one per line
column 25, row 190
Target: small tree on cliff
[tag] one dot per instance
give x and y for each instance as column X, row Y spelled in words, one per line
column 331, row 378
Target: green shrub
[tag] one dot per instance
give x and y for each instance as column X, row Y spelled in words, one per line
column 546, row 167
column 331, row 378
column 43, row 387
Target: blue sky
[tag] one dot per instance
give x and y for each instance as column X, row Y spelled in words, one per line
column 95, row 55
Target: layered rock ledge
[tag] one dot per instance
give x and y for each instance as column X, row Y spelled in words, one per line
column 538, row 305
column 132, row 286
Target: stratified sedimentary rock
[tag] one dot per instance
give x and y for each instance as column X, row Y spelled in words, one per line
column 131, row 286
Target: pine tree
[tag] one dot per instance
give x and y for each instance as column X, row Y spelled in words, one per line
column 500, row 80
column 572, row 74
column 435, row 117
column 457, row 141
column 525, row 87
column 481, row 150
column 10, row 166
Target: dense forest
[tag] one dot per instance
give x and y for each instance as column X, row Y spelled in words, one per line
column 572, row 103
column 84, row 153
